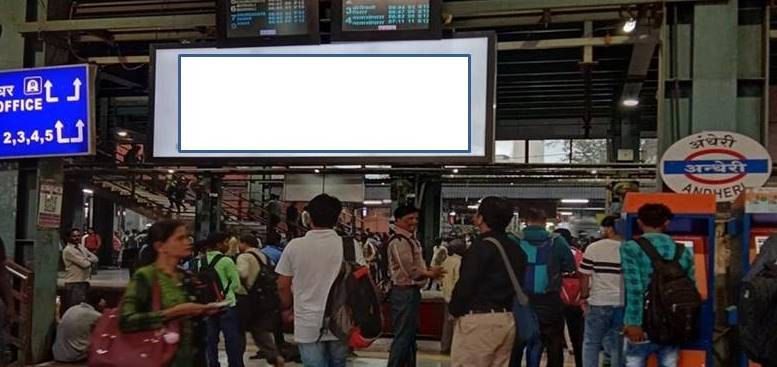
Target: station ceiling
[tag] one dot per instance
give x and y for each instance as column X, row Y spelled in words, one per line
column 548, row 87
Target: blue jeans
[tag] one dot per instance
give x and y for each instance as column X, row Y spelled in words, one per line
column 637, row 354
column 603, row 325
column 323, row 354
column 228, row 323
column 405, row 303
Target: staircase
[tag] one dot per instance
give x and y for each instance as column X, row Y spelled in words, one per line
column 145, row 195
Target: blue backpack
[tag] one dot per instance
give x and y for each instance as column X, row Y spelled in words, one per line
column 540, row 267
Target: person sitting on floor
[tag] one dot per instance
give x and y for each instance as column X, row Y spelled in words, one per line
column 72, row 340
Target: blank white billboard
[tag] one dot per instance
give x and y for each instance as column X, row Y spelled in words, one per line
column 380, row 100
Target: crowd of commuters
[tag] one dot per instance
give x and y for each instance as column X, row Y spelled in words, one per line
column 596, row 292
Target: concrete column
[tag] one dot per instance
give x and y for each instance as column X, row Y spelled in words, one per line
column 40, row 248
column 713, row 65
column 12, row 57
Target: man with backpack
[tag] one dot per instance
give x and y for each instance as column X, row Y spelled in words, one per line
column 758, row 307
column 766, row 256
column 312, row 263
column 482, row 298
column 547, row 258
column 408, row 274
column 662, row 303
column 257, row 299
column 221, row 271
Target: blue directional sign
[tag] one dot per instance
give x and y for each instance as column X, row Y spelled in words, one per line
column 46, row 112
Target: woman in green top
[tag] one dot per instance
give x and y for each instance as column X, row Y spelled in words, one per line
column 170, row 242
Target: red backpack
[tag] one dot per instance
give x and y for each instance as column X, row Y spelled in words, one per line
column 570, row 283
column 353, row 308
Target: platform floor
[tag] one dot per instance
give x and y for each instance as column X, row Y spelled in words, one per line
column 374, row 357
column 377, row 355
column 105, row 278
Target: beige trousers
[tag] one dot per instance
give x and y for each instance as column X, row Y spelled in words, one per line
column 483, row 340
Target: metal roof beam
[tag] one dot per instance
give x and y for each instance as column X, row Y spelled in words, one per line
column 156, row 23
column 530, row 19
column 482, row 7
column 147, row 36
column 569, row 43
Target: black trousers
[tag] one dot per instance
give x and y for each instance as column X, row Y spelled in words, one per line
column 550, row 314
column 575, row 323
column 75, row 293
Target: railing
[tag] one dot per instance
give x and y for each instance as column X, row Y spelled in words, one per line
column 19, row 328
column 135, row 197
column 236, row 206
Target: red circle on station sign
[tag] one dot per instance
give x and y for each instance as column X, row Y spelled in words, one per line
column 724, row 181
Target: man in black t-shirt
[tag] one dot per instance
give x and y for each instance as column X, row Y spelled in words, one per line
column 483, row 296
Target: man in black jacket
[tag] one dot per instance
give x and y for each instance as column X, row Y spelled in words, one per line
column 482, row 299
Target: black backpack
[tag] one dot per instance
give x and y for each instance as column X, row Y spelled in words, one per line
column 758, row 317
column 264, row 292
column 206, row 284
column 383, row 278
column 353, row 308
column 672, row 302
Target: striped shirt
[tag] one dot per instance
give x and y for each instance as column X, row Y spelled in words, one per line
column 602, row 261
column 638, row 271
column 406, row 261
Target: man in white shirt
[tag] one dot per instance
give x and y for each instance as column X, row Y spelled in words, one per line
column 602, row 288
column 307, row 269
column 78, row 268
column 74, row 329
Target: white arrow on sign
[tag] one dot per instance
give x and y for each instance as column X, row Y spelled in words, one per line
column 60, row 139
column 80, row 137
column 77, row 91
column 49, row 97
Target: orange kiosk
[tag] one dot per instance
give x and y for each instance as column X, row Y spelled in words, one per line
column 756, row 219
column 693, row 226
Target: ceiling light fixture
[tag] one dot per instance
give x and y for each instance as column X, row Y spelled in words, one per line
column 631, row 102
column 575, row 201
column 630, row 25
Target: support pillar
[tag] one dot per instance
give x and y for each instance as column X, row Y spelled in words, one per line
column 625, row 132
column 713, row 70
column 255, row 197
column 12, row 57
column 72, row 205
column 103, row 212
column 40, row 249
column 429, row 200
column 9, row 181
column 207, row 218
